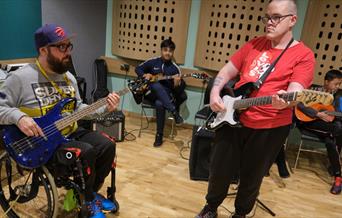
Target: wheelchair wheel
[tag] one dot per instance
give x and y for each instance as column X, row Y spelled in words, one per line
column 34, row 193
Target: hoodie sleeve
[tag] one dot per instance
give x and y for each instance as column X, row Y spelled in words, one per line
column 143, row 68
column 10, row 95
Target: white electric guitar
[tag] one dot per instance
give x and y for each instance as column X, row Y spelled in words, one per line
column 235, row 104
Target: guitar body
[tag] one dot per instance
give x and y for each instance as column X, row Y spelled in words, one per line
column 234, row 104
column 32, row 152
column 138, row 95
column 230, row 116
column 318, row 107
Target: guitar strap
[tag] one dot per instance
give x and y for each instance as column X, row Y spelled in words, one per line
column 260, row 81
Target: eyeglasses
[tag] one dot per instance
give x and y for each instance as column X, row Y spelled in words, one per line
column 275, row 19
column 63, row 47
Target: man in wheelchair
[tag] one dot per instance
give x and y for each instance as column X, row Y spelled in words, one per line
column 34, row 89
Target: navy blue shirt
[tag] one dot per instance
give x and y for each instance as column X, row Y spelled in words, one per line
column 157, row 66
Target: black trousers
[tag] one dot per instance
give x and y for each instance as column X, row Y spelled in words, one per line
column 250, row 152
column 97, row 156
column 330, row 133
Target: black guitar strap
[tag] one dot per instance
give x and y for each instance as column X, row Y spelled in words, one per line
column 260, row 81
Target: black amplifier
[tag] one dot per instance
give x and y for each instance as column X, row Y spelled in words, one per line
column 112, row 124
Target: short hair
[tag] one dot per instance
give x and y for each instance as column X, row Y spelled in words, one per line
column 168, row 43
column 333, row 74
column 292, row 6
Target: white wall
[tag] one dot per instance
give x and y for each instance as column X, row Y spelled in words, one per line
column 87, row 19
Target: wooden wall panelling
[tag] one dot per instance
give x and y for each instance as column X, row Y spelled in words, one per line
column 139, row 26
column 225, row 25
column 322, row 32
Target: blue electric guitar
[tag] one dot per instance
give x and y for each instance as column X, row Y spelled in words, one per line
column 32, row 152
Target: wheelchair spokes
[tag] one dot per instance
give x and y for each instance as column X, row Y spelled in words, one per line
column 31, row 193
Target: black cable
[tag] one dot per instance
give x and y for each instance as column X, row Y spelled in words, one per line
column 126, row 134
column 131, row 132
column 230, row 212
column 183, row 148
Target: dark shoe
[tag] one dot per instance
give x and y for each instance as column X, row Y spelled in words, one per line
column 283, row 172
column 236, row 179
column 207, row 212
column 234, row 215
column 178, row 119
column 159, row 140
column 337, row 186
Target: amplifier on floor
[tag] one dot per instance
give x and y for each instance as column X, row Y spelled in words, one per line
column 200, row 153
column 112, row 124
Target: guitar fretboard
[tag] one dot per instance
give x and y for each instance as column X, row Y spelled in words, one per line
column 70, row 119
column 258, row 101
column 334, row 113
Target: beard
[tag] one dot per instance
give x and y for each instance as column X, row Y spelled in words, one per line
column 59, row 66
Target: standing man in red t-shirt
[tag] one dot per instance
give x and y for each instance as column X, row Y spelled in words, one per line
column 252, row 149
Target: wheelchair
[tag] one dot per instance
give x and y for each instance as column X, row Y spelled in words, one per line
column 33, row 192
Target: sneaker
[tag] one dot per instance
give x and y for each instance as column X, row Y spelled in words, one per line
column 159, row 140
column 337, row 186
column 106, row 204
column 207, row 212
column 94, row 209
column 178, row 119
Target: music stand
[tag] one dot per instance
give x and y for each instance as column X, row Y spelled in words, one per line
column 262, row 205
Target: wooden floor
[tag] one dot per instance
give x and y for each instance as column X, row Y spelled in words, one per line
column 154, row 182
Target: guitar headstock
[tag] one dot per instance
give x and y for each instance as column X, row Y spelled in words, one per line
column 137, row 85
column 202, row 76
column 309, row 97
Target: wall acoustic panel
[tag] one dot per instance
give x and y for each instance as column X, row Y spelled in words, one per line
column 225, row 25
column 322, row 32
column 139, row 26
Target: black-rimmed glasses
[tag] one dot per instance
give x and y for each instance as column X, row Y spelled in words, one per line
column 63, row 47
column 275, row 19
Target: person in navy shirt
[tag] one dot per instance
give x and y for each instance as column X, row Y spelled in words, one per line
column 165, row 94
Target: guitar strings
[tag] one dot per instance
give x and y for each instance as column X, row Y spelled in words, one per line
column 22, row 144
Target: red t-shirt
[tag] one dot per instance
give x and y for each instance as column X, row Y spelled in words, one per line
column 252, row 60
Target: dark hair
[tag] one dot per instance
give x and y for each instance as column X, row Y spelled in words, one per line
column 333, row 74
column 168, row 43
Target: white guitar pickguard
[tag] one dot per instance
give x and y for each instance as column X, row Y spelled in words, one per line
column 226, row 116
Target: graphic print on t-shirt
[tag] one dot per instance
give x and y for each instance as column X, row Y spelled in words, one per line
column 47, row 95
column 259, row 66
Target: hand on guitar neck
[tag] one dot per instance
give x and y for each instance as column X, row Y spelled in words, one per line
column 280, row 103
column 326, row 113
column 325, row 117
column 147, row 76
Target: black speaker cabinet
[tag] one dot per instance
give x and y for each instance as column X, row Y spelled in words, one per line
column 112, row 124
column 200, row 153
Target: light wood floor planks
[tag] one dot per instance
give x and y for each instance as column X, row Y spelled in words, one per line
column 154, row 182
